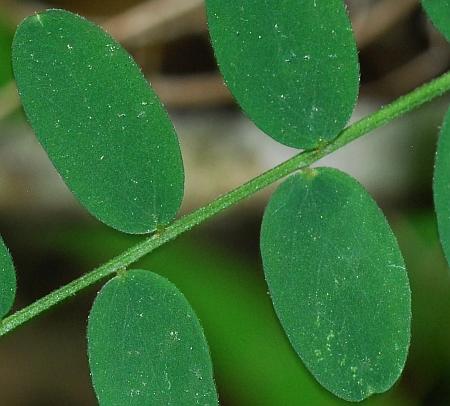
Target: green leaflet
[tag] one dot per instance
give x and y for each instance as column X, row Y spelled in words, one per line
column 338, row 282
column 441, row 186
column 439, row 13
column 292, row 65
column 99, row 121
column 7, row 280
column 146, row 345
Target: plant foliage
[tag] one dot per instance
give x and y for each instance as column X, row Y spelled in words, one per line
column 338, row 282
column 336, row 276
column 286, row 63
column 442, row 186
column 146, row 345
column 7, row 280
column 99, row 121
column 439, row 13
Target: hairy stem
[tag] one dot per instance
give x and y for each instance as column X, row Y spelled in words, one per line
column 385, row 115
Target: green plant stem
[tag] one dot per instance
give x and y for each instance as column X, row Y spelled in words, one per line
column 385, row 115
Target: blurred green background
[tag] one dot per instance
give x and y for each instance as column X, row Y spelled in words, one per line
column 217, row 266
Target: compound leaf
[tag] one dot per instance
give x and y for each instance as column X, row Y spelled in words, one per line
column 439, row 13
column 101, row 124
column 292, row 65
column 7, row 280
column 146, row 345
column 338, row 282
column 442, row 186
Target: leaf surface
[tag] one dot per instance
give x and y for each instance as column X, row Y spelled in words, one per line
column 338, row 282
column 439, row 13
column 146, row 345
column 101, row 124
column 7, row 280
column 441, row 187
column 292, row 65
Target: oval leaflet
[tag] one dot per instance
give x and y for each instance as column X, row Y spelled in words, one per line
column 7, row 280
column 287, row 62
column 439, row 13
column 101, row 124
column 441, row 186
column 146, row 345
column 338, row 282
